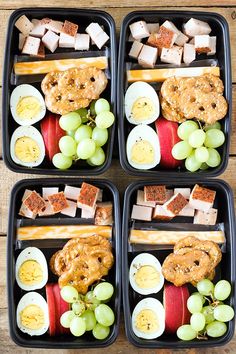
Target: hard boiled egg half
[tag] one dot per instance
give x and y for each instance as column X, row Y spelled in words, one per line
column 148, row 318
column 142, row 104
column 27, row 147
column 143, row 147
column 27, row 105
column 32, row 314
column 145, row 274
column 31, row 269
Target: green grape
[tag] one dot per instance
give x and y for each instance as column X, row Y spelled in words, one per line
column 70, row 121
column 104, row 315
column 71, row 133
column 77, row 326
column 201, row 297
column 214, row 158
column 223, row 313
column 67, row 145
column 83, row 112
column 100, row 136
column 197, row 321
column 103, row 291
column 86, row 148
column 91, row 301
column 61, row 161
column 201, row 154
column 194, row 304
column 69, row 294
column 181, row 150
column 104, row 119
column 101, row 105
column 66, row 318
column 204, row 166
column 186, row 128
column 216, row 125
column 90, row 319
column 186, row 332
column 207, row 311
column 78, row 307
column 191, row 163
column 205, row 287
column 83, row 132
column 100, row 331
column 216, row 329
column 98, row 157
column 92, row 108
column 222, row 290
column 214, row 138
column 196, row 138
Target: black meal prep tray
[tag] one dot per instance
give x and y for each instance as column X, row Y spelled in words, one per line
column 225, row 270
column 220, row 29
column 83, row 17
column 48, row 247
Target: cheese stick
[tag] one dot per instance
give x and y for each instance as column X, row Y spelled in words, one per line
column 159, row 75
column 157, row 237
column 44, row 67
column 61, row 231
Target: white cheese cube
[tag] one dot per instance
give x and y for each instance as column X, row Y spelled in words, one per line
column 212, row 46
column 189, row 53
column 101, row 39
column 54, row 26
column 22, row 38
column 141, row 213
column 72, row 192
column 66, row 41
column 31, row 46
column 181, row 38
column 153, row 27
column 132, row 39
column 192, row 41
column 38, row 29
column 24, row 25
column 206, row 218
column 141, row 201
column 100, row 194
column 139, row 30
column 70, row 210
column 49, row 191
column 184, row 191
column 50, row 40
column 135, row 49
column 94, row 29
column 82, row 41
column 47, row 211
column 187, row 211
column 24, row 211
column 88, row 214
column 172, row 55
column 196, row 27
column 161, row 214
column 202, row 43
column 148, row 56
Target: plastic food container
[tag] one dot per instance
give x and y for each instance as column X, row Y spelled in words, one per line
column 83, row 18
column 49, row 247
column 225, row 270
column 221, row 30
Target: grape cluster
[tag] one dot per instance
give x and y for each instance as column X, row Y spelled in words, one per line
column 86, row 134
column 88, row 312
column 208, row 320
column 198, row 146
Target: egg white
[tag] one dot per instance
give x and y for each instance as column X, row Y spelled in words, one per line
column 144, row 259
column 143, row 132
column 138, row 90
column 155, row 305
column 34, row 134
column 32, row 253
column 32, row 298
column 23, row 91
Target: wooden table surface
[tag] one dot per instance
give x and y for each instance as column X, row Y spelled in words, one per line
column 118, row 9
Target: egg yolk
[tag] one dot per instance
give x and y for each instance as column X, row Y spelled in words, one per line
column 147, row 277
column 32, row 317
column 142, row 152
column 27, row 149
column 30, row 272
column 28, row 107
column 147, row 321
column 142, row 109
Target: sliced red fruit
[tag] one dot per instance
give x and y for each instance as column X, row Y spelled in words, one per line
column 167, row 133
column 175, row 303
column 61, row 307
column 51, row 309
column 52, row 133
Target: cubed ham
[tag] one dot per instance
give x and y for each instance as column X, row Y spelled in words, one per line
column 66, row 41
column 135, row 49
column 82, row 41
column 181, row 38
column 206, row 217
column 202, row 43
column 202, row 198
column 103, row 214
column 41, row 51
column 165, row 38
column 24, row 211
column 169, row 193
column 141, row 201
column 160, row 213
column 31, row 45
column 70, row 210
column 47, row 211
column 139, row 30
column 34, row 202
column 212, row 46
column 189, row 53
column 48, row 191
column 27, row 192
column 58, row 202
column 24, row 25
column 148, row 56
column 196, row 27
column 70, row 28
column 140, row 212
column 172, row 55
column 155, row 194
column 50, row 40
column 184, row 191
column 72, row 192
column 175, row 204
column 88, row 197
